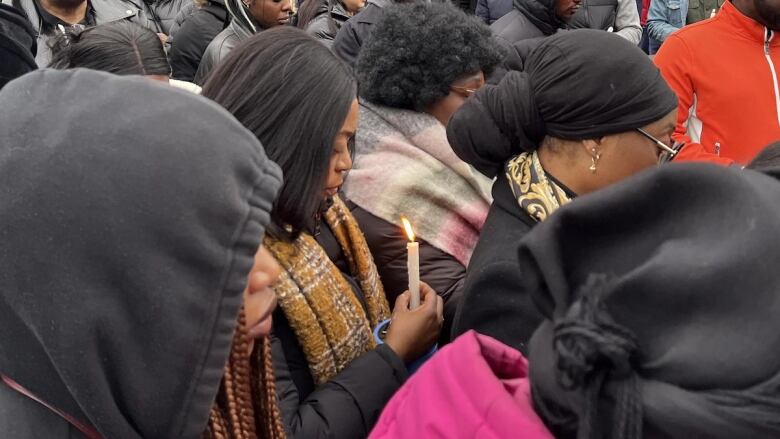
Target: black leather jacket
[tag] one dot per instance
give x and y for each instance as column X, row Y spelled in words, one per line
column 320, row 26
column 219, row 47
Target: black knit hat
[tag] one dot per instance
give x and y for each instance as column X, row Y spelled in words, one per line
column 17, row 44
column 661, row 296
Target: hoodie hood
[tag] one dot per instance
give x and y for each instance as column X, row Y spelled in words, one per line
column 128, row 235
column 659, row 325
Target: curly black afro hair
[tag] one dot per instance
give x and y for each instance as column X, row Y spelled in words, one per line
column 417, row 51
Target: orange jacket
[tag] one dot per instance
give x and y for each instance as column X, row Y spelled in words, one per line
column 724, row 71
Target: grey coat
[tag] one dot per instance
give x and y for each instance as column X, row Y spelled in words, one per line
column 120, row 298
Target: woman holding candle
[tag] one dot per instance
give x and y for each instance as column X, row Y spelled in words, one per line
column 331, row 377
column 550, row 134
column 420, row 64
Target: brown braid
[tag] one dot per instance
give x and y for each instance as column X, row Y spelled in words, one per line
column 246, row 406
column 264, row 391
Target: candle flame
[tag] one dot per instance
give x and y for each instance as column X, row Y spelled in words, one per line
column 408, row 228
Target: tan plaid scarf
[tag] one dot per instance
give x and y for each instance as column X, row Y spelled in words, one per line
column 329, row 321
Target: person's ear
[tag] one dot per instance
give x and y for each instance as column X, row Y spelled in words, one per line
column 594, row 149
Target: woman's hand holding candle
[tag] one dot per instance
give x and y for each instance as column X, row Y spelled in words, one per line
column 413, row 332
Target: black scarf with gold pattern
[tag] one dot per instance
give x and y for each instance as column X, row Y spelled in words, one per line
column 537, row 193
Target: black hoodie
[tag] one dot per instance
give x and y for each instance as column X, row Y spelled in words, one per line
column 128, row 234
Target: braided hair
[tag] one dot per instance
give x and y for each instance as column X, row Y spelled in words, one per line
column 246, row 406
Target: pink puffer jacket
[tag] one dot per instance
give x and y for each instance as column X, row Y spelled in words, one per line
column 476, row 387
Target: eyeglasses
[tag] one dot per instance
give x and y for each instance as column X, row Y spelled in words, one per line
column 479, row 78
column 468, row 90
column 667, row 152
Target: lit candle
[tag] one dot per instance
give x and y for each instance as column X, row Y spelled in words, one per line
column 412, row 264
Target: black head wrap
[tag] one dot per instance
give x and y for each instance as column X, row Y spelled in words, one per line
column 660, row 296
column 17, row 44
column 575, row 85
column 128, row 234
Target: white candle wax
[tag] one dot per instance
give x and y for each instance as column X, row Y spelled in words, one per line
column 413, row 268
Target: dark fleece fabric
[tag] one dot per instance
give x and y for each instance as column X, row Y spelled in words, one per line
column 128, row 235
column 679, row 338
column 17, row 44
column 575, row 85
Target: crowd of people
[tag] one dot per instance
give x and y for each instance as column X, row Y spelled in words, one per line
column 203, row 203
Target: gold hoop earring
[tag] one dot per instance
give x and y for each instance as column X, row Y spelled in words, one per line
column 594, row 159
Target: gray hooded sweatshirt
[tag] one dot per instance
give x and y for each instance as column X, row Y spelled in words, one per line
column 128, row 234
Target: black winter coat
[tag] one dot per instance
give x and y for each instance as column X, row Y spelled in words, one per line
column 595, row 14
column 194, row 35
column 219, row 48
column 493, row 303
column 528, row 19
column 438, row 269
column 324, row 26
column 356, row 30
column 349, row 404
column 157, row 15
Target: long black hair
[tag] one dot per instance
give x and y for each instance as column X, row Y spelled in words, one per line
column 122, row 48
column 294, row 95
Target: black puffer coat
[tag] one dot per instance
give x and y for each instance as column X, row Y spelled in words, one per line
column 193, row 37
column 529, row 19
column 157, row 15
column 595, row 14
